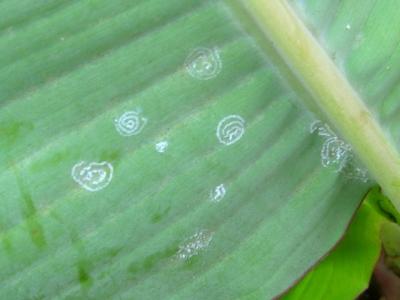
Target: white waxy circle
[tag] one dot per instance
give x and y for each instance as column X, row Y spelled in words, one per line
column 92, row 176
column 203, row 63
column 130, row 123
column 230, row 129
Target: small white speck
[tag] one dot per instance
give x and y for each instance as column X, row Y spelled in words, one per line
column 218, row 193
column 348, row 26
column 162, row 146
column 62, row 38
column 195, row 244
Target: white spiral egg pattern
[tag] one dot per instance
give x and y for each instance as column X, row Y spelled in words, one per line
column 130, row 123
column 337, row 154
column 92, row 176
column 203, row 63
column 334, row 152
column 230, row 129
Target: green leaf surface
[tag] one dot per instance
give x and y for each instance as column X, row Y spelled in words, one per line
column 69, row 69
column 363, row 38
column 345, row 273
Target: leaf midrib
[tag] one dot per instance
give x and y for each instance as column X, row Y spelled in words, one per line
column 330, row 90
